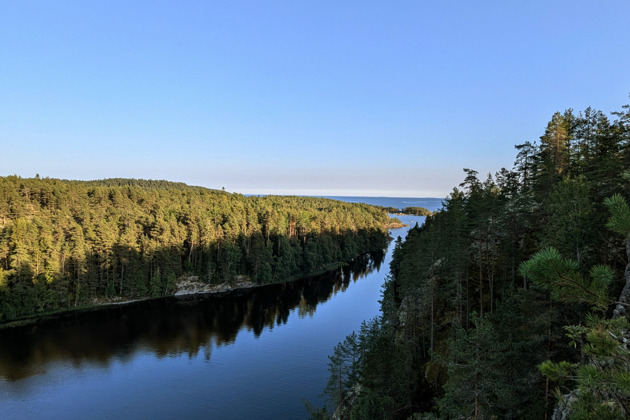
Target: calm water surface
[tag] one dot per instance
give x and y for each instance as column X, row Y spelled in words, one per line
column 251, row 354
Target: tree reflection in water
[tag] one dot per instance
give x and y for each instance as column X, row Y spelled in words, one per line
column 169, row 326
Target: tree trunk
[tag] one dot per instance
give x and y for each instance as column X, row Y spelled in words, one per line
column 480, row 284
column 122, row 276
column 432, row 318
column 624, row 298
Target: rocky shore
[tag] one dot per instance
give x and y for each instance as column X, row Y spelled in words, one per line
column 191, row 285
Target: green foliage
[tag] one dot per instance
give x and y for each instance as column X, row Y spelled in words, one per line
column 600, row 381
column 343, row 368
column 315, row 413
column 66, row 243
column 469, row 390
column 417, row 211
column 558, row 372
column 391, row 209
column 620, row 220
column 600, row 385
column 491, row 366
column 478, row 295
column 371, row 405
column 369, row 374
column 561, row 277
column 572, row 225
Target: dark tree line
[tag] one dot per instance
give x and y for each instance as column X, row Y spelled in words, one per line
column 416, row 211
column 189, row 325
column 499, row 306
column 66, row 243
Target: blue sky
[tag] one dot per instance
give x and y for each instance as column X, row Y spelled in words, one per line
column 298, row 97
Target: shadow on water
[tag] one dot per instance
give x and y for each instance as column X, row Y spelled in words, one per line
column 169, row 326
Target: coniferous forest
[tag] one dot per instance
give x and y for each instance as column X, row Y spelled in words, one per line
column 511, row 302
column 65, row 244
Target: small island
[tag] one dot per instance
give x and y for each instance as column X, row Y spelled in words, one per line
column 417, row 211
column 395, row 223
column 410, row 211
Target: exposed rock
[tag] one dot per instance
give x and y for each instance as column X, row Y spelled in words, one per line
column 343, row 410
column 563, row 408
column 191, row 285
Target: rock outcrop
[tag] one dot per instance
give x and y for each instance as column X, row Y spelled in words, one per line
column 191, row 285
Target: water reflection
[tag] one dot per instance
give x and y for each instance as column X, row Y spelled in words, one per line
column 170, row 326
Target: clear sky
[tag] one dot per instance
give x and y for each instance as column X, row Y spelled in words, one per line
column 324, row 97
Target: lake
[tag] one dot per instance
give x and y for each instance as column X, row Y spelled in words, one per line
column 249, row 354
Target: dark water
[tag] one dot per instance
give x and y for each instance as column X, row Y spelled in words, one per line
column 250, row 354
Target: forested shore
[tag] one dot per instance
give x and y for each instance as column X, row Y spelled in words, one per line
column 507, row 303
column 65, row 244
column 414, row 211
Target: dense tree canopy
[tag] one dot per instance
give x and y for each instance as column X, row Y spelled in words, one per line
column 416, row 211
column 480, row 296
column 66, row 243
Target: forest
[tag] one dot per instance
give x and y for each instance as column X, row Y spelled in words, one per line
column 511, row 302
column 415, row 211
column 67, row 244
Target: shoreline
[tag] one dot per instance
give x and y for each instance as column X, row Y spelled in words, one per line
column 396, row 225
column 188, row 287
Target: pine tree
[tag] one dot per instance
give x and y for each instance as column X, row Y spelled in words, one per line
column 599, row 385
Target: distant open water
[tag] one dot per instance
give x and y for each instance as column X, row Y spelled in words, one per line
column 429, row 203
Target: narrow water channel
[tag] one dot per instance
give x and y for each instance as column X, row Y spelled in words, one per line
column 250, row 354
